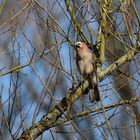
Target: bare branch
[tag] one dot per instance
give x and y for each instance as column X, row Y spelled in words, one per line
column 50, row 118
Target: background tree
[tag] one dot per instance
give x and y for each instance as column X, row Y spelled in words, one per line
column 40, row 89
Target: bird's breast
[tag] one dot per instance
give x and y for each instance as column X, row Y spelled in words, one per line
column 85, row 67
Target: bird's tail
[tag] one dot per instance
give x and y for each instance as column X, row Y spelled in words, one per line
column 94, row 94
column 97, row 93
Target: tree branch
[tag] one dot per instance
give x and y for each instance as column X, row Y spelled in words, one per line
column 49, row 119
column 75, row 21
column 105, row 7
column 82, row 114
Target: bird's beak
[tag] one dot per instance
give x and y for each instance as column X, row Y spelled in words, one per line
column 76, row 45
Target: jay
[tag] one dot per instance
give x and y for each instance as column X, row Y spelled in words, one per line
column 86, row 63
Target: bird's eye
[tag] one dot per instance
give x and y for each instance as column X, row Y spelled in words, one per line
column 78, row 44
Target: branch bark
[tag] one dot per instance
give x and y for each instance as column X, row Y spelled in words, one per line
column 49, row 119
column 75, row 21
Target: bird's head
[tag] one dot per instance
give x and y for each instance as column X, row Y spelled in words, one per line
column 80, row 45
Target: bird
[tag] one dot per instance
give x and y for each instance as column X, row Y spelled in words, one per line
column 86, row 63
